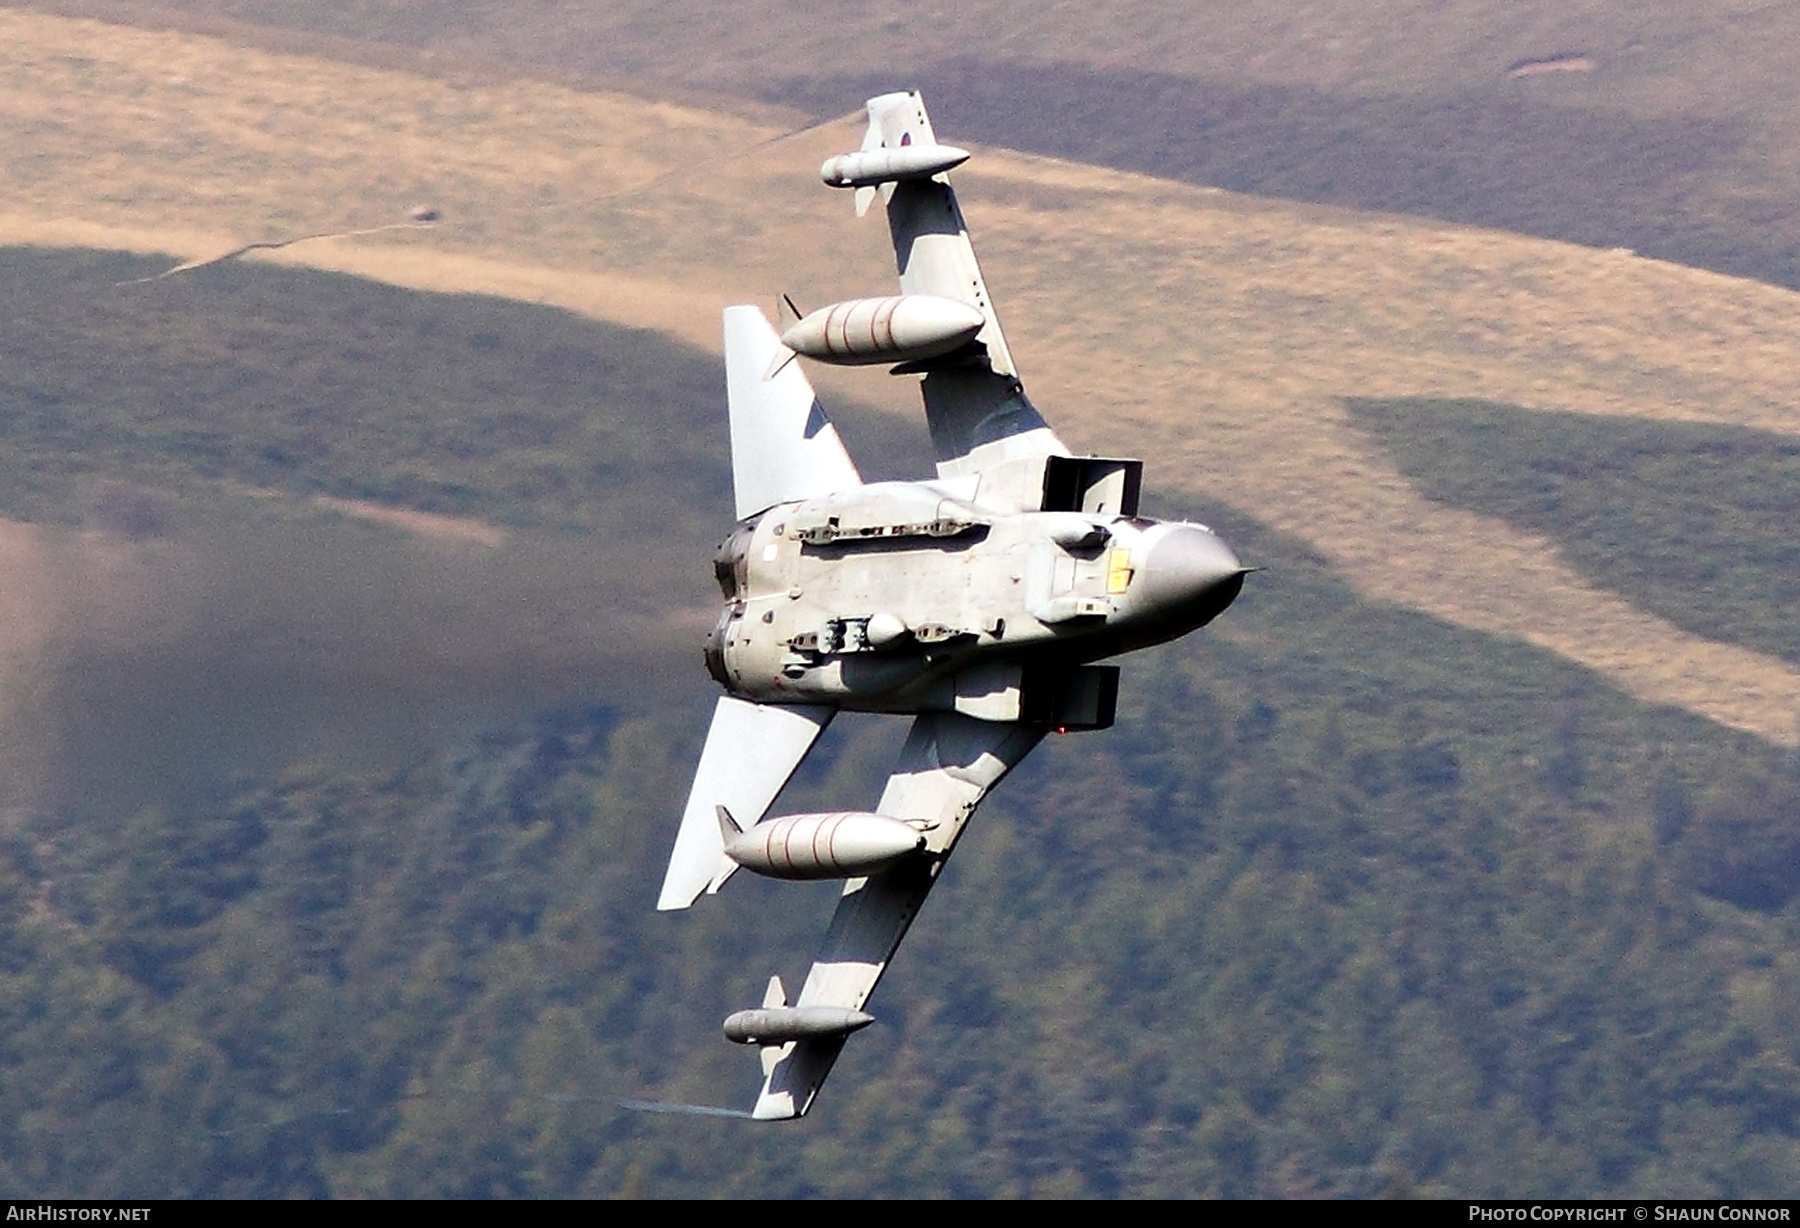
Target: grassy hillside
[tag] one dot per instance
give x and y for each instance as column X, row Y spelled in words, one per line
column 1693, row 522
column 303, row 383
column 206, row 463
column 1674, row 136
column 1376, row 887
column 312, row 384
column 1350, row 901
column 1232, row 330
column 1491, row 152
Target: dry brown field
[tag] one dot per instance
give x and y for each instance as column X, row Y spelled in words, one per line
column 1217, row 335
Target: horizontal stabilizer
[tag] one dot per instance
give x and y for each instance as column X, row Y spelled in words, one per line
column 751, row 750
column 782, row 448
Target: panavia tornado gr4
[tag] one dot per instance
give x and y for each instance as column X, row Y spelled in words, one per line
column 976, row 601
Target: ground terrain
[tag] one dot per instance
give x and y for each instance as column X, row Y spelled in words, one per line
column 536, row 195
column 1478, row 809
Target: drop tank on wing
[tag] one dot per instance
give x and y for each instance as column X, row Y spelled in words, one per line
column 898, row 328
column 867, row 168
column 840, row 844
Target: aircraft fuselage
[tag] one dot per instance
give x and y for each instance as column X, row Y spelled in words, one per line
column 902, row 597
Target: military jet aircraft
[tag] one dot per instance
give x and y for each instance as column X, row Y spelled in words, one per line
column 976, row 601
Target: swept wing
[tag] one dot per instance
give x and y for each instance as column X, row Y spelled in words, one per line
column 947, row 766
column 975, row 405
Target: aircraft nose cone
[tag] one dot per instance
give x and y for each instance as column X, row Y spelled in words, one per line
column 1190, row 571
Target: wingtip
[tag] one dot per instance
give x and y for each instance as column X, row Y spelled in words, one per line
column 775, row 1106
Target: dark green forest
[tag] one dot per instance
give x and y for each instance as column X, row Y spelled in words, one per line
column 1350, row 902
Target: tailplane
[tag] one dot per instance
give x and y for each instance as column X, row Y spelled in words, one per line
column 751, row 750
column 782, row 448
